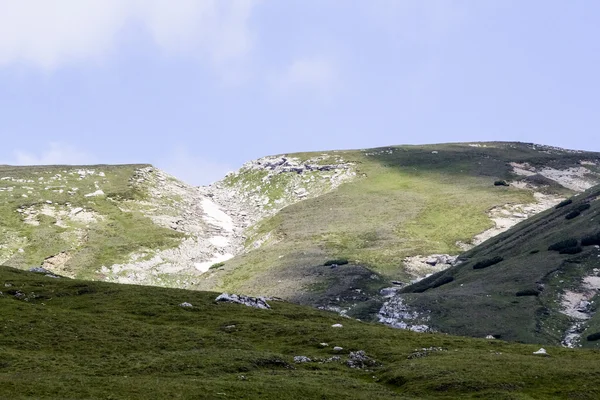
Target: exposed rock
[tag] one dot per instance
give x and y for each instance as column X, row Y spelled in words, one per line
column 422, row 265
column 338, row 348
column 541, row 351
column 424, row 352
column 397, row 314
column 505, row 217
column 337, row 326
column 256, row 302
column 577, row 304
column 185, row 304
column 301, row 359
column 56, row 262
column 359, row 359
column 40, row 270
column 95, row 194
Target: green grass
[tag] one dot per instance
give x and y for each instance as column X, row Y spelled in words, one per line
column 68, row 339
column 405, row 201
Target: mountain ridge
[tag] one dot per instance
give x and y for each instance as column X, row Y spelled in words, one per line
column 269, row 227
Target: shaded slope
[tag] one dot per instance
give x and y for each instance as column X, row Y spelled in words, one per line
column 67, row 339
column 526, row 284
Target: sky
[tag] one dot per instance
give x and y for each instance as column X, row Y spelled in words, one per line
column 198, row 87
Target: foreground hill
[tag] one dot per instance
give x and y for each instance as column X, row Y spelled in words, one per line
column 375, row 216
column 537, row 282
column 70, row 339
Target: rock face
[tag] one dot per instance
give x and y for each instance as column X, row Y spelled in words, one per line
column 397, row 314
column 255, row 302
column 579, row 305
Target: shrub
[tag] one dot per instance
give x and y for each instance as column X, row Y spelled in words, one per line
column 528, row 292
column 488, row 262
column 339, row 261
column 424, row 284
column 217, row 265
column 591, row 240
column 571, row 250
column 593, row 337
column 578, row 210
column 563, row 244
column 441, row 281
column 501, row 183
column 583, row 207
column 563, row 203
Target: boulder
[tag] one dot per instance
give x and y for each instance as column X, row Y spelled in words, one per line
column 256, row 302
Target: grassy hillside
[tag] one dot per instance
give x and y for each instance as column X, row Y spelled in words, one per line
column 74, row 214
column 406, row 200
column 69, row 339
column 526, row 284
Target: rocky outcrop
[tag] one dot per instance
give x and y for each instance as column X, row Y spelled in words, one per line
column 263, row 187
column 255, row 302
column 397, row 314
column 578, row 305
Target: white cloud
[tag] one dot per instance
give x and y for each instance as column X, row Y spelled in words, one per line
column 56, row 154
column 191, row 169
column 319, row 76
column 52, row 33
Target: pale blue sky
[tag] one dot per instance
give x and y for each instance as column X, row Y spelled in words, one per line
column 199, row 86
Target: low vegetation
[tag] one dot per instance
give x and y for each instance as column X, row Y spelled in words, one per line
column 488, row 262
column 69, row 339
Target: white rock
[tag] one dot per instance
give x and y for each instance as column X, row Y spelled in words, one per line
column 323, row 344
column 541, row 351
column 338, row 348
column 490, row 337
column 185, row 304
column 256, row 302
column 337, row 326
column 96, row 193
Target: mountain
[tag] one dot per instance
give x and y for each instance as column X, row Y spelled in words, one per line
column 400, row 213
column 329, row 229
column 73, row 339
column 537, row 282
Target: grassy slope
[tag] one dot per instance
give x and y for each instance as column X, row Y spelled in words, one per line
column 106, row 242
column 483, row 301
column 67, row 339
column 409, row 201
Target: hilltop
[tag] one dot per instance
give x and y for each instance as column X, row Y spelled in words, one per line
column 374, row 216
column 72, row 339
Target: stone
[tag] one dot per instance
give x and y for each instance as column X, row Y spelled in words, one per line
column 490, row 337
column 255, row 302
column 40, row 270
column 323, row 344
column 359, row 359
column 185, row 304
column 541, row 352
column 338, row 348
column 301, row 359
column 337, row 326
